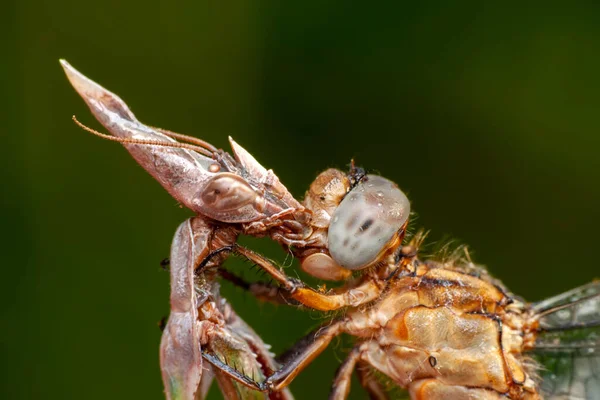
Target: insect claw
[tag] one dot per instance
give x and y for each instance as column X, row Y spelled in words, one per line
column 162, row 323
column 165, row 263
column 296, row 284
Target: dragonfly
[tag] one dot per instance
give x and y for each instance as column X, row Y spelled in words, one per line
column 440, row 329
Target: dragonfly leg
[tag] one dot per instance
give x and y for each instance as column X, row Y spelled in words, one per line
column 373, row 387
column 341, row 384
column 363, row 293
column 302, row 354
column 292, row 361
column 261, row 290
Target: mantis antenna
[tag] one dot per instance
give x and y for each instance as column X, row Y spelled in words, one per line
column 186, row 138
column 200, row 146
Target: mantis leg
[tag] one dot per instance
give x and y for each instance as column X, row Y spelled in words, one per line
column 258, row 351
column 180, row 355
column 206, row 381
column 363, row 293
column 229, row 344
column 202, row 322
column 293, row 361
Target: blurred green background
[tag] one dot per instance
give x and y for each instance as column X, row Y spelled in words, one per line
column 487, row 116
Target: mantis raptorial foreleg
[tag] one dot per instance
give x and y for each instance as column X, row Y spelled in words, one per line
column 201, row 321
column 180, row 353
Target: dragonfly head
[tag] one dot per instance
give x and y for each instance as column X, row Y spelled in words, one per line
column 362, row 219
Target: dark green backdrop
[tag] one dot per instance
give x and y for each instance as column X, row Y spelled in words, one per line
column 488, row 117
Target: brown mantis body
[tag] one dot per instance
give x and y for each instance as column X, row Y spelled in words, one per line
column 219, row 189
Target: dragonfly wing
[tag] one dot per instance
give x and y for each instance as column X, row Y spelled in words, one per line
column 568, row 346
column 570, row 375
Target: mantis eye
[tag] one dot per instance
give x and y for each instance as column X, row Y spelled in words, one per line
column 366, row 222
column 227, row 192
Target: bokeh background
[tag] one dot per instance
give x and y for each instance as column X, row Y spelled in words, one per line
column 488, row 116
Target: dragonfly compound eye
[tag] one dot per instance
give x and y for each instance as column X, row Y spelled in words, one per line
column 366, row 222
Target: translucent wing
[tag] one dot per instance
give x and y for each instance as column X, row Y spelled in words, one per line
column 570, row 375
column 568, row 347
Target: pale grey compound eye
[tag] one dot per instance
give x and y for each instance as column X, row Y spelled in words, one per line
column 366, row 221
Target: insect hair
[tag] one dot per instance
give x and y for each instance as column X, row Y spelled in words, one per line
column 533, row 368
